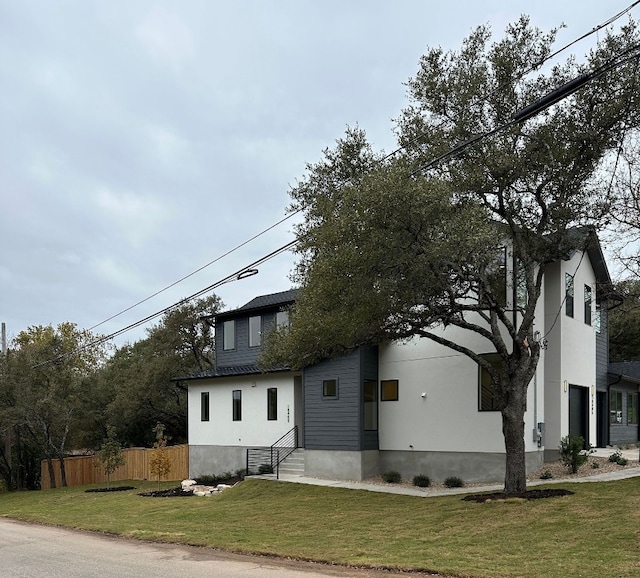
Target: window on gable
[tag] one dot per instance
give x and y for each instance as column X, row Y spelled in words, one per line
column 330, row 388
column 370, row 398
column 487, row 396
column 587, row 304
column 389, row 390
column 204, row 406
column 229, row 335
column 615, row 406
column 237, row 405
column 255, row 331
column 568, row 294
column 272, row 403
column 632, row 409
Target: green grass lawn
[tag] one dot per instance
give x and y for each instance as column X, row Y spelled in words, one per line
column 594, row 533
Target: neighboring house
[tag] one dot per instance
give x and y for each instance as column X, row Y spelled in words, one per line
column 416, row 406
column 624, row 384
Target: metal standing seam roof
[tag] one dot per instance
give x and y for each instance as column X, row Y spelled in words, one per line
column 263, row 302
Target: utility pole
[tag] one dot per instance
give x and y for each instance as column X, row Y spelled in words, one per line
column 4, row 338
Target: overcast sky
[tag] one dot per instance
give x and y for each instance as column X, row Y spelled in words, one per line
column 141, row 139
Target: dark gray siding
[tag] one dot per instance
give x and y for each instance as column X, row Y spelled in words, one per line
column 242, row 354
column 333, row 423
column 338, row 423
column 602, row 350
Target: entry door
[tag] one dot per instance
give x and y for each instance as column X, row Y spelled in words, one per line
column 579, row 412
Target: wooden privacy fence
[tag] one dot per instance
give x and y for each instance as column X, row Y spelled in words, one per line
column 82, row 470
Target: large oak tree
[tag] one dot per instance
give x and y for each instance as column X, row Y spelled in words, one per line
column 398, row 246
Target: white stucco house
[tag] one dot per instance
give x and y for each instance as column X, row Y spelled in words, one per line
column 415, row 407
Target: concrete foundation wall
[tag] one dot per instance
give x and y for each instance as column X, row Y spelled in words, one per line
column 341, row 465
column 471, row 467
column 216, row 460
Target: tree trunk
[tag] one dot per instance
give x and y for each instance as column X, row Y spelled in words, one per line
column 515, row 478
column 52, row 474
column 63, row 473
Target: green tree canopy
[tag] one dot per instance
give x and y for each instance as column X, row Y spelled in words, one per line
column 394, row 246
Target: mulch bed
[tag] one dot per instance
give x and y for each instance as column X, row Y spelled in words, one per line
column 170, row 493
column 180, row 493
column 528, row 495
column 116, row 489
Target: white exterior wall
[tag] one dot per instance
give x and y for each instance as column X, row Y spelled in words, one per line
column 571, row 354
column 447, row 418
column 254, row 430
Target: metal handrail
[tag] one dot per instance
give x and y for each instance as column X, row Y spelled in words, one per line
column 270, row 458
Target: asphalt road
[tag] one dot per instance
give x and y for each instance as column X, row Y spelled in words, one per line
column 34, row 551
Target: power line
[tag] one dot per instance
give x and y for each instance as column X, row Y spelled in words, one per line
column 243, row 273
column 531, row 68
column 194, row 272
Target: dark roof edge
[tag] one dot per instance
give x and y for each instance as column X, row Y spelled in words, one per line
column 214, row 375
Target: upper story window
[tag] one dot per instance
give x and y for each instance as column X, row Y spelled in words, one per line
column 587, row 304
column 597, row 321
column 497, row 278
column 282, row 319
column 255, row 331
column 487, row 396
column 568, row 294
column 229, row 335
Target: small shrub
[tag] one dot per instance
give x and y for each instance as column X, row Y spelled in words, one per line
column 454, row 482
column 595, row 465
column 392, row 477
column 572, row 453
column 615, row 456
column 421, row 481
column 546, row 475
column 265, row 469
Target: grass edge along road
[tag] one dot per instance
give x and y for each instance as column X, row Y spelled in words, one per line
column 595, row 532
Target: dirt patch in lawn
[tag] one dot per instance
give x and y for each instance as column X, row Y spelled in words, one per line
column 537, row 494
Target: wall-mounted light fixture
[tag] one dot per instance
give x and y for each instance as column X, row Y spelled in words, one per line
column 565, row 385
column 423, row 394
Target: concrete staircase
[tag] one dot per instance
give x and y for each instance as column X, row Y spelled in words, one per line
column 293, row 465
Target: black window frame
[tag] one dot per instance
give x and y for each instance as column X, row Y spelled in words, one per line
column 229, row 323
column 250, row 332
column 485, row 385
column 272, row 404
column 384, row 391
column 370, row 405
column 326, row 383
column 205, row 413
column 588, row 300
column 569, row 290
column 236, row 400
